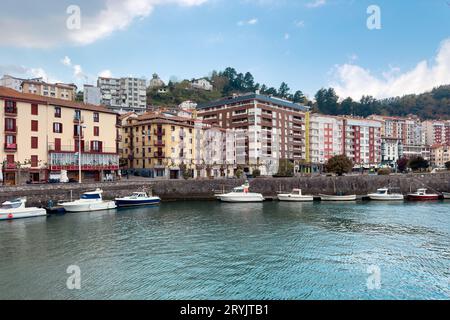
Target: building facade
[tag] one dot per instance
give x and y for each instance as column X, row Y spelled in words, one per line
column 439, row 155
column 266, row 129
column 43, row 135
column 92, row 95
column 123, row 94
column 202, row 84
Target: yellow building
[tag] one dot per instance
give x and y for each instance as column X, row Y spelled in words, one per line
column 53, row 90
column 439, row 154
column 161, row 143
column 42, row 135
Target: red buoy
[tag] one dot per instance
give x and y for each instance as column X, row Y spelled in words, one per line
column 10, row 216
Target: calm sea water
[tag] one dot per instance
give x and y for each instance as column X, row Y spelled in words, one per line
column 210, row 250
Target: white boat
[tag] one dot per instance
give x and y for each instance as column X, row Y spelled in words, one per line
column 241, row 194
column 15, row 209
column 446, row 195
column 325, row 197
column 295, row 195
column 383, row 194
column 89, row 201
column 137, row 199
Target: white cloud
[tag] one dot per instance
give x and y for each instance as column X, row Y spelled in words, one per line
column 287, row 36
column 66, row 61
column 354, row 81
column 46, row 26
column 299, row 23
column 248, row 22
column 316, row 3
column 105, row 74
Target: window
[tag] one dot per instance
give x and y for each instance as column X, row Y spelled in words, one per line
column 96, row 131
column 77, row 115
column 57, row 144
column 57, row 112
column 10, row 107
column 77, row 131
column 34, row 161
column 34, row 109
column 173, row 128
column 34, row 125
column 96, row 117
column 57, row 127
column 10, row 159
column 96, row 146
column 10, row 125
column 34, row 142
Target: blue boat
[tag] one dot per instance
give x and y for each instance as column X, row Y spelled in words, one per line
column 137, row 199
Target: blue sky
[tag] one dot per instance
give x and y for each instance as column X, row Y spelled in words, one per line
column 307, row 43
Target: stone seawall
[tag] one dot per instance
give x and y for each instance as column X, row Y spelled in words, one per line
column 168, row 190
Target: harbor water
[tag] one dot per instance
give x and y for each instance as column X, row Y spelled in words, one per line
column 212, row 250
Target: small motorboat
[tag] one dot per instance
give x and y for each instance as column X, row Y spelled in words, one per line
column 446, row 195
column 89, row 201
column 295, row 195
column 422, row 195
column 241, row 194
column 384, row 194
column 137, row 199
column 15, row 209
column 338, row 197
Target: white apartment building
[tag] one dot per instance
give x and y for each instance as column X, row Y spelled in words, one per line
column 123, row 94
column 202, row 84
column 92, row 95
column 325, row 139
column 391, row 151
column 12, row 82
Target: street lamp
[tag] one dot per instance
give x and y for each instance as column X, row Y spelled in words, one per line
column 80, row 128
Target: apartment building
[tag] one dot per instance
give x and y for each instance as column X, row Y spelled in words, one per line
column 123, row 94
column 362, row 141
column 266, row 129
column 436, row 132
column 38, row 86
column 325, row 139
column 92, row 95
column 439, row 155
column 42, row 137
column 160, row 143
column 408, row 130
column 391, row 151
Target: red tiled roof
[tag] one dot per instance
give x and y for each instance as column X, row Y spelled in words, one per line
column 7, row 93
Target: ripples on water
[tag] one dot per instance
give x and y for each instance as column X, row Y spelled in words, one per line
column 210, row 250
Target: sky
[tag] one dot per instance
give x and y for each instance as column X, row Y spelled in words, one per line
column 309, row 44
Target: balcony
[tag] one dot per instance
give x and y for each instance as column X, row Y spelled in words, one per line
column 10, row 147
column 11, row 111
column 159, row 155
column 159, row 132
column 159, row 144
column 78, row 119
column 11, row 129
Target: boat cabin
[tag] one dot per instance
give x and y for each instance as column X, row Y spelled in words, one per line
column 137, row 195
column 297, row 192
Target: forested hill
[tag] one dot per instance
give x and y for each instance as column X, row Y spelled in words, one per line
column 430, row 105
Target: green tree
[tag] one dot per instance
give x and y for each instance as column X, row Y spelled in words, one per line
column 299, row 97
column 402, row 164
column 284, row 90
column 339, row 165
column 285, row 168
column 418, row 164
column 447, row 165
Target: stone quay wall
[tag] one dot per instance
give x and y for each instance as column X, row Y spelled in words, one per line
column 171, row 190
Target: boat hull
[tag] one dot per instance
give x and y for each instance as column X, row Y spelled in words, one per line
column 86, row 207
column 391, row 197
column 325, row 197
column 295, row 198
column 249, row 197
column 428, row 197
column 23, row 214
column 446, row 195
column 133, row 203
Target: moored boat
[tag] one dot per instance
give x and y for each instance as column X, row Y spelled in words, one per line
column 241, row 194
column 422, row 195
column 295, row 195
column 325, row 197
column 89, row 201
column 137, row 199
column 446, row 195
column 384, row 194
column 15, row 209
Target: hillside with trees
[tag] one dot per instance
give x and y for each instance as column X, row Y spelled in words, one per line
column 429, row 105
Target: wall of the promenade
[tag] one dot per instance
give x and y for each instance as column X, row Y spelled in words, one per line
column 204, row 189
